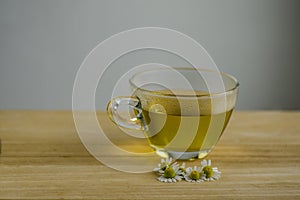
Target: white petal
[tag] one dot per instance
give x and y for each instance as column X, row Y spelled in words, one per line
column 168, row 160
column 156, row 169
column 217, row 172
column 188, row 170
column 182, row 165
column 209, row 162
column 216, row 175
column 204, row 163
column 175, row 164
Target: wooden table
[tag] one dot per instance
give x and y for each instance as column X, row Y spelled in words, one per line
column 43, row 158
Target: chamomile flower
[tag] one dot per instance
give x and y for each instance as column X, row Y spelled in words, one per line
column 164, row 163
column 182, row 169
column 171, row 174
column 193, row 174
column 170, row 171
column 209, row 173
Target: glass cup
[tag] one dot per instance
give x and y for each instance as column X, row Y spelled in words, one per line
column 181, row 111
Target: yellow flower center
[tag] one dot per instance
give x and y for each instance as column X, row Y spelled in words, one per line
column 164, row 166
column 169, row 172
column 208, row 171
column 182, row 169
column 195, row 175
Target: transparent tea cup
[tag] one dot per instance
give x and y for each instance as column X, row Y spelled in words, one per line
column 182, row 112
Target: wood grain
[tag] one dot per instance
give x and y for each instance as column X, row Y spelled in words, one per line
column 43, row 158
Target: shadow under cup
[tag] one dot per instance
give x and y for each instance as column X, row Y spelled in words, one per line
column 181, row 111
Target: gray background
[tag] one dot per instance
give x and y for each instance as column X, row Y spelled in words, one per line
column 43, row 43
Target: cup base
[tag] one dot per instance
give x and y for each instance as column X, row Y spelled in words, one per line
column 183, row 155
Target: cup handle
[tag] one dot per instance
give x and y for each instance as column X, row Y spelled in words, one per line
column 133, row 105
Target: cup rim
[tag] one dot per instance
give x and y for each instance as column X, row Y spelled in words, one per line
column 231, row 90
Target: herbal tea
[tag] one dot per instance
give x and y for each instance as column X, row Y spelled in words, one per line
column 172, row 127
